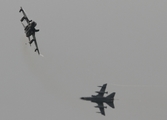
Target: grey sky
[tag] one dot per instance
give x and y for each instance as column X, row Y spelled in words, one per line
column 85, row 44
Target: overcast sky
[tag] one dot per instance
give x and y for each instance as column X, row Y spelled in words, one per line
column 85, row 44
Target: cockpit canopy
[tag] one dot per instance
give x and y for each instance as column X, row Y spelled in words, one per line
column 33, row 23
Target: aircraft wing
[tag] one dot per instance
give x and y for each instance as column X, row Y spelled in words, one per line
column 34, row 39
column 24, row 16
column 101, row 108
column 102, row 90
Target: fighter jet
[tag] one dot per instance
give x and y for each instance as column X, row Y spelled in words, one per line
column 29, row 29
column 100, row 99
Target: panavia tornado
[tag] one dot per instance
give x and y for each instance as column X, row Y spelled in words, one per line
column 30, row 29
column 100, row 99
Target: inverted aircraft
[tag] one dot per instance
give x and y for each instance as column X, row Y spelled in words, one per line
column 30, row 29
column 100, row 99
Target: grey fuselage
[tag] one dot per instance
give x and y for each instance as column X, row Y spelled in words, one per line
column 97, row 99
column 30, row 29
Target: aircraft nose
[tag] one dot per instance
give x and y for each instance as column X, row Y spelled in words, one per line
column 82, row 98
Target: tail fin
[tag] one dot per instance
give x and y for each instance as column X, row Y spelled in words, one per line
column 111, row 103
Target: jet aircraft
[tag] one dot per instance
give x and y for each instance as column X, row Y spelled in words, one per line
column 100, row 99
column 30, row 29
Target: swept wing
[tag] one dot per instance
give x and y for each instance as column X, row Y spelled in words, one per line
column 34, row 40
column 24, row 16
column 102, row 90
column 101, row 108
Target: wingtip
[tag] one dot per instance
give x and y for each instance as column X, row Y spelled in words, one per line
column 101, row 113
column 20, row 9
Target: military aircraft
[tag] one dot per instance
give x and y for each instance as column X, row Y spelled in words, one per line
column 30, row 29
column 99, row 99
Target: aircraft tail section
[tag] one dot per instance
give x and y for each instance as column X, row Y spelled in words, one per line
column 111, row 103
column 111, row 95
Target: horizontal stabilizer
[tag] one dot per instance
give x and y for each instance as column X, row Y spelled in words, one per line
column 111, row 95
column 111, row 104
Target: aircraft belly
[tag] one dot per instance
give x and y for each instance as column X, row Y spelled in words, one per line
column 98, row 100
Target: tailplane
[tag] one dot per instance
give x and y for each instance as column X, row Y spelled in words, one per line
column 111, row 103
column 111, row 95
